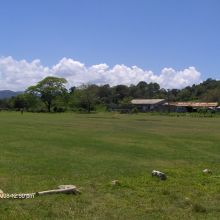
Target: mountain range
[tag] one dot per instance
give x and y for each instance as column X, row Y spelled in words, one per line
column 8, row 94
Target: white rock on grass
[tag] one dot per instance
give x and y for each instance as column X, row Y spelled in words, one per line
column 115, row 182
column 159, row 174
column 207, row 171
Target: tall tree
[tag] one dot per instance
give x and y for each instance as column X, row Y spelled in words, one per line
column 85, row 97
column 48, row 89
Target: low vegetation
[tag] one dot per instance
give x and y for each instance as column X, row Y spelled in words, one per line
column 42, row 151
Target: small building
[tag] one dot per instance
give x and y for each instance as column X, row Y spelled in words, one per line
column 145, row 105
column 191, row 106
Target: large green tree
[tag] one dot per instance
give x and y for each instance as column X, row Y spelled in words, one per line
column 48, row 89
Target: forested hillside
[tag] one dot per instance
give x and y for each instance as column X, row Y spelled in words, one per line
column 208, row 90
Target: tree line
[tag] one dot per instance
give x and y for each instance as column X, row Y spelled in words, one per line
column 51, row 95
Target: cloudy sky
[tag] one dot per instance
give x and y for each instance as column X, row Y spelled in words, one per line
column 173, row 43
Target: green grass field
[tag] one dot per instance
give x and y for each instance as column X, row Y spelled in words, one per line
column 41, row 151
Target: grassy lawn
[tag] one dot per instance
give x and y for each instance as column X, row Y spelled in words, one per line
column 41, row 151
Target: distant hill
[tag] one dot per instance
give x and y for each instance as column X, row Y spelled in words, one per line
column 8, row 93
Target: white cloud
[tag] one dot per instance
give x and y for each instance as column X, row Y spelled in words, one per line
column 18, row 75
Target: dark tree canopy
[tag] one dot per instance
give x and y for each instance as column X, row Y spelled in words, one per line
column 85, row 97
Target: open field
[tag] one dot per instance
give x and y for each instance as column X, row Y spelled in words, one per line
column 42, row 151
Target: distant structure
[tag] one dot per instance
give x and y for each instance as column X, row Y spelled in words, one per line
column 191, row 106
column 195, row 104
column 145, row 105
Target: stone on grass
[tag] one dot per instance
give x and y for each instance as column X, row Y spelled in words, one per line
column 159, row 174
column 207, row 171
column 116, row 182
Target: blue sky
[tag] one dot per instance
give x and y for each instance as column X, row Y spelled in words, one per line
column 149, row 34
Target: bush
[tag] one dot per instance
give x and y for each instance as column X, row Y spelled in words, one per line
column 198, row 208
column 134, row 111
column 59, row 109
